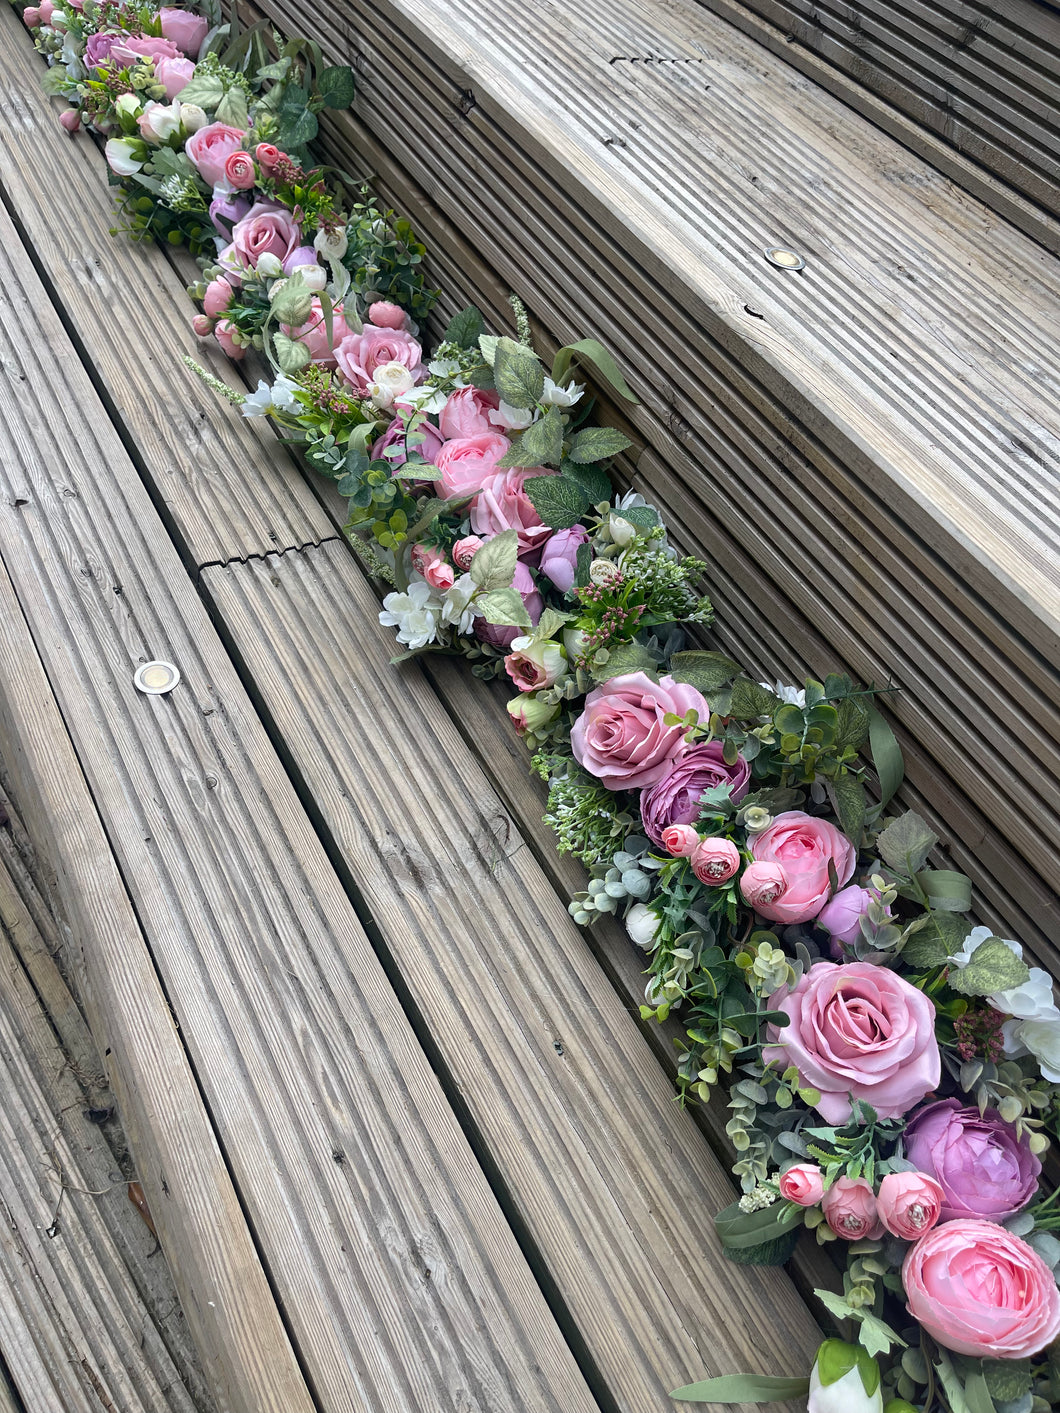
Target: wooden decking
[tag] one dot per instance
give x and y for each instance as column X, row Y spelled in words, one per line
column 405, row 1146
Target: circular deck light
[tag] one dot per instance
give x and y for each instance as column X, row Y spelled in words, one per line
column 156, row 678
column 786, row 259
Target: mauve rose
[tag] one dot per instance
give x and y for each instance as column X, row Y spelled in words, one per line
column 680, row 841
column 857, row 1031
column 385, row 315
column 502, row 635
column 715, row 861
column 226, row 211
column 174, row 75
column 314, row 334
column 981, row 1291
column 503, row 504
column 559, row 557
column 208, row 149
column 621, row 737
column 802, row 1184
column 675, row 800
column 360, row 354
column 31, row 17
column 849, row 1208
column 187, row 31
column 762, row 883
column 909, row 1204
column 466, row 463
column 804, row 847
column 427, row 450
column 983, row 1168
column 97, row 49
column 841, row 918
column 133, row 47
column 466, row 412
column 266, row 229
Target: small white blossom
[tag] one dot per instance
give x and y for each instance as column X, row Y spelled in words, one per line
column 331, row 244
column 415, row 615
column 457, row 609
column 556, row 396
column 794, row 696
column 755, row 1201
column 512, row 419
column 263, row 401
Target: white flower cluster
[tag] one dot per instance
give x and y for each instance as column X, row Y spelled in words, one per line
column 1034, row 1027
column 422, row 611
column 264, row 401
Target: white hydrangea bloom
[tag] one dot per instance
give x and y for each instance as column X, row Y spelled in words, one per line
column 415, row 615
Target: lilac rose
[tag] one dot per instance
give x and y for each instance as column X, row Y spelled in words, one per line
column 983, row 1168
column 675, row 799
column 559, row 558
column 97, row 49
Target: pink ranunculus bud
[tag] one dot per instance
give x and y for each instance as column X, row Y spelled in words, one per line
column 223, row 334
column 850, row 1210
column 680, row 840
column 802, row 1184
column 31, row 17
column 202, row 325
column 70, row 120
column 267, row 155
column 715, row 861
column 217, row 298
column 909, row 1204
column 240, row 171
column 465, row 550
column 385, row 315
column 762, row 883
column 439, row 575
column 421, row 555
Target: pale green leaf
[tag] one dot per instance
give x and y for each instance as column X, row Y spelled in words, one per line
column 518, row 373
column 941, row 937
column 597, row 357
column 232, row 109
column 597, row 444
column 993, row 967
column 505, row 607
column 743, row 1388
column 886, row 755
column 540, row 445
column 947, row 890
column 906, row 843
column 559, row 500
column 707, row 672
column 493, row 566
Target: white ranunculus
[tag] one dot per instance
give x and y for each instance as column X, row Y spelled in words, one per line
column 314, row 277
column 395, row 378
column 159, row 121
column 642, row 925
column 332, row 245
column 192, row 117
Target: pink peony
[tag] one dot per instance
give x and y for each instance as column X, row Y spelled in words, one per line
column 762, row 884
column 174, row 75
column 675, row 799
column 97, row 47
column 804, row 847
column 984, row 1169
column 217, row 298
column 680, row 840
column 849, row 1208
column 621, row 737
column 209, row 148
column 559, row 557
column 466, row 463
column 802, row 1184
column 240, row 171
column 503, row 504
column 715, row 861
column 466, row 412
column 385, row 315
column 130, row 48
column 858, row 1031
column 314, row 334
column 981, row 1291
column 909, row 1204
column 266, row 229
column 359, row 355
column 187, row 31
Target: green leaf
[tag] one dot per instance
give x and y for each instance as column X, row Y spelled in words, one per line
column 942, row 937
column 336, row 87
column 707, row 672
column 848, row 794
column 906, row 843
column 291, row 354
column 464, row 328
column 947, row 890
column 204, row 90
column 273, row 72
column 299, row 130
column 417, row 471
column 596, row 355
column 993, row 967
column 232, row 109
column 504, row 606
column 518, row 373
column 550, row 622
column 627, row 657
column 743, row 1388
column 581, row 569
column 853, row 723
column 644, row 517
column 876, row 1336
column 977, row 1395
column 737, row 1229
column 1007, row 1379
column 595, row 482
column 886, row 756
column 750, row 700
column 540, row 445
column 493, row 566
column 54, row 80
column 559, row 500
column 488, row 345
column 597, row 444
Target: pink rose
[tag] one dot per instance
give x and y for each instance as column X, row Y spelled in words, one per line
column 503, row 504
column 359, row 355
column 467, row 462
column 981, row 1291
column 849, row 1208
column 385, row 315
column 842, row 916
column 680, row 840
column 267, row 156
column 804, row 847
column 439, row 575
column 266, row 229
column 223, row 334
column 858, row 1031
column 621, row 737
column 314, row 334
column 466, row 412
column 31, row 17
column 715, row 861
column 802, row 1184
column 559, row 558
column 465, row 550
column 240, row 171
column 909, row 1204
column 187, row 31
column 47, row 9
column 210, row 147
column 132, row 47
column 174, row 75
column 762, row 884
column 218, row 297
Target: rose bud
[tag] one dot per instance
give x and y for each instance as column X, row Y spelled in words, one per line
column 715, row 861
column 680, row 840
column 802, row 1184
column 225, row 333
column 844, row 1379
column 465, row 550
column 240, row 171
column 909, row 1204
column 850, row 1210
column 202, row 325
column 70, row 120
column 31, row 17
column 384, row 315
column 267, row 155
column 439, row 575
column 217, row 298
column 762, row 883
column 528, row 714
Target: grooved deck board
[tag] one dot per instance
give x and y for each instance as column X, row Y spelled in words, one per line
column 400, row 1281
column 226, row 496
column 615, row 1185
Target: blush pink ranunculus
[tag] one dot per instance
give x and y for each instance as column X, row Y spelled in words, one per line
column 680, row 841
column 359, row 355
column 715, row 861
column 266, row 229
column 802, row 1184
column 187, row 31
column 503, row 504
column 223, row 334
column 849, row 1208
column 218, row 296
column 174, row 75
column 466, row 412
column 979, row 1290
column 466, row 463
column 209, row 148
column 385, row 315
column 621, row 736
column 465, row 550
column 240, row 171
column 132, row 47
column 909, row 1204
column 804, row 847
column 761, row 884
column 857, row 1031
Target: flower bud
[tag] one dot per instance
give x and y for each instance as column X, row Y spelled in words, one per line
column 680, row 840
column 909, row 1204
column 192, row 117
column 802, row 1184
column 643, row 924
column 762, row 883
column 314, row 277
column 465, row 550
column 850, row 1210
column 269, row 267
column 715, row 861
column 202, row 325
column 844, row 1379
column 531, row 716
column 333, row 246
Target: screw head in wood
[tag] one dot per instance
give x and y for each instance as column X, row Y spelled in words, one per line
column 156, row 678
column 785, row 259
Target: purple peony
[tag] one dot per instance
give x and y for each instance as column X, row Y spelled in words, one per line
column 675, row 799
column 427, row 448
column 983, row 1168
column 97, row 49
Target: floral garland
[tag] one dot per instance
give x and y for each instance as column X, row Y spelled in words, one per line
column 893, row 1072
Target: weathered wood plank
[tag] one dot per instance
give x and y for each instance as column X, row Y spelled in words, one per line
column 400, row 1281
column 221, row 502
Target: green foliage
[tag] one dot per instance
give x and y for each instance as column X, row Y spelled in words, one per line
column 541, row 444
column 559, row 500
column 743, row 1388
column 597, row 444
column 708, row 672
column 931, row 945
column 592, row 354
column 504, row 606
column 493, row 566
column 518, row 374
column 993, row 967
column 335, row 86
column 739, row 1230
column 905, row 844
column 464, row 328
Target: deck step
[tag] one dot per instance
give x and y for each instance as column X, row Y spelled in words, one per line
column 867, row 449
